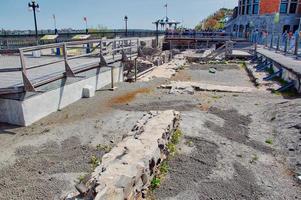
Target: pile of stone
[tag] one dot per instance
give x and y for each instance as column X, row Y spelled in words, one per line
column 257, row 77
column 179, row 87
column 127, row 170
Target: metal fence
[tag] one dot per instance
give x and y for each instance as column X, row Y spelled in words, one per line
column 289, row 44
column 14, row 42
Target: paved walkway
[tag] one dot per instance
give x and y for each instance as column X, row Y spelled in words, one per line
column 287, row 61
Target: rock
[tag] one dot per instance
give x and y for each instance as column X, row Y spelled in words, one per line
column 88, row 91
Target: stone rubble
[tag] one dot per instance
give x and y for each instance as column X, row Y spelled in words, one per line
column 257, row 78
column 127, row 170
column 189, row 88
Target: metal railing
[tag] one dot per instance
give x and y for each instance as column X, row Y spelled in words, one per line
column 14, row 42
column 289, row 44
column 202, row 35
column 105, row 51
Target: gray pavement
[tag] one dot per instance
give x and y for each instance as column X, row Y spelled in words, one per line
column 287, row 61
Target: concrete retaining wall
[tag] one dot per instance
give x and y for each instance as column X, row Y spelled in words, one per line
column 34, row 108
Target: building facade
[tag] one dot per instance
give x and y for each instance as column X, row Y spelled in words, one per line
column 265, row 15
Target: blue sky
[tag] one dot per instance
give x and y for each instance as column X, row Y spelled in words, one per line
column 69, row 13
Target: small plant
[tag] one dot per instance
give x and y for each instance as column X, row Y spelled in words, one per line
column 175, row 138
column 155, row 183
column 254, row 159
column 171, row 148
column 269, row 141
column 235, row 95
column 105, row 148
column 216, row 97
column 95, row 162
column 81, row 178
column 189, row 143
column 164, row 168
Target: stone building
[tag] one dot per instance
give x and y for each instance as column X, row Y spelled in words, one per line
column 265, row 15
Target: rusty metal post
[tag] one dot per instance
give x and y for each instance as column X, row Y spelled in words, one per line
column 112, row 78
column 135, row 63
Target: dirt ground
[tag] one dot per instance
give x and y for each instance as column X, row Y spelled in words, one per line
column 235, row 146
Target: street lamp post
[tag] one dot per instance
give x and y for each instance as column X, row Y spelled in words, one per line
column 34, row 7
column 126, row 25
column 54, row 23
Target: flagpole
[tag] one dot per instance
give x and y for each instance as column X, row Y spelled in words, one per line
column 166, row 5
column 54, row 21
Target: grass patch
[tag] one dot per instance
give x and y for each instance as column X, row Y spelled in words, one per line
column 105, row 148
column 254, row 159
column 95, row 162
column 155, row 183
column 175, row 138
column 189, row 143
column 243, row 65
column 164, row 168
column 82, row 178
column 217, row 97
column 269, row 141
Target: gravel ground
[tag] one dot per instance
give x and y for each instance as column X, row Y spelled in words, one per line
column 223, row 153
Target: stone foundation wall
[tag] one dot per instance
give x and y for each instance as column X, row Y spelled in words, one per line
column 127, row 170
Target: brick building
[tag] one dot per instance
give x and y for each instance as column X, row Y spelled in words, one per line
column 260, row 15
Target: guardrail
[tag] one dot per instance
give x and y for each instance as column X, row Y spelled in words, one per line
column 285, row 43
column 14, row 42
column 106, row 51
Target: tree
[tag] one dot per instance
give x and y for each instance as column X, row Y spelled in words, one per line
column 215, row 21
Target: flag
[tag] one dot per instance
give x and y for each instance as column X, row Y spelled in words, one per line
column 276, row 18
column 85, row 19
column 53, row 16
column 165, row 5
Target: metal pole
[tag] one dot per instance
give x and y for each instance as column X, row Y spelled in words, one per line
column 135, row 69
column 157, row 34
column 296, row 45
column 34, row 6
column 35, row 21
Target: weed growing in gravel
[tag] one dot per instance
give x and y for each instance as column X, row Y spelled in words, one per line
column 216, row 97
column 164, row 168
column 189, row 143
column 82, row 177
column 243, row 65
column 155, row 183
column 105, row 148
column 95, row 162
column 254, row 159
column 269, row 141
column 175, row 138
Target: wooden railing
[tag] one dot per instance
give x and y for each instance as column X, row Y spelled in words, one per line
column 107, row 51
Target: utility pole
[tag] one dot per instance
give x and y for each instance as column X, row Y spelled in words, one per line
column 34, row 7
column 126, row 25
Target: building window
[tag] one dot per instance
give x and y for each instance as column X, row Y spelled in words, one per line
column 283, row 6
column 249, row 7
column 255, row 7
column 293, row 6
